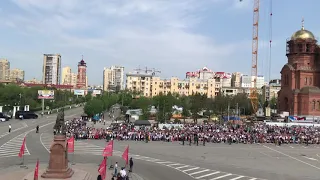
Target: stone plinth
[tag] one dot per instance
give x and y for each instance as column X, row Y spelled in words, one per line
column 78, row 175
column 58, row 162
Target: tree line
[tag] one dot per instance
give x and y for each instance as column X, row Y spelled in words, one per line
column 194, row 106
column 14, row 95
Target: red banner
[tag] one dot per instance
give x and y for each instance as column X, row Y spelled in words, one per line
column 125, row 155
column 107, row 151
column 103, row 168
column 36, row 171
column 22, row 148
column 71, row 144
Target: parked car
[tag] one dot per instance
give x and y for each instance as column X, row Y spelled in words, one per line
column 25, row 115
column 3, row 118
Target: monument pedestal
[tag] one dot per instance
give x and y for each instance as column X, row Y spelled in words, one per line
column 58, row 163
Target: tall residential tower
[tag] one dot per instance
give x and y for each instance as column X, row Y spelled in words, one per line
column 51, row 71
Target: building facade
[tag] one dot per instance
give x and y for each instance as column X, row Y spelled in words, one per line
column 183, row 87
column 113, row 78
column 236, row 79
column 82, row 75
column 300, row 76
column 66, row 75
column 4, row 70
column 139, row 82
column 16, row 75
column 51, row 70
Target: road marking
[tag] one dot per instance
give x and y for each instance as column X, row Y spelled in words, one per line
column 24, row 125
column 237, row 178
column 220, row 177
column 164, row 162
column 85, row 148
column 292, row 157
column 217, row 172
column 12, row 147
column 191, row 169
column 313, row 159
column 291, row 146
column 182, row 167
column 42, row 143
column 198, row 172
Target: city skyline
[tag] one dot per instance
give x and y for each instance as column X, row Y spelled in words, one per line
column 184, row 34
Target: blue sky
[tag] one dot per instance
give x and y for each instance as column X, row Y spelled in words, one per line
column 174, row 36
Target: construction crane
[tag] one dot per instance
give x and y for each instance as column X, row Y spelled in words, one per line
column 154, row 71
column 254, row 63
column 147, row 70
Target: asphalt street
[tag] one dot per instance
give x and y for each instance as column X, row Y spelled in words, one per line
column 169, row 160
column 38, row 146
column 10, row 142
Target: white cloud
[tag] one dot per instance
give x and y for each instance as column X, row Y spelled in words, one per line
column 157, row 33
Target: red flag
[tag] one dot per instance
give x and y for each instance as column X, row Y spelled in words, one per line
column 22, row 148
column 125, row 155
column 71, row 144
column 107, row 151
column 103, row 169
column 36, row 171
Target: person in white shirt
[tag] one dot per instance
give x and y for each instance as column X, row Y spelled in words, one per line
column 123, row 173
column 116, row 169
column 9, row 128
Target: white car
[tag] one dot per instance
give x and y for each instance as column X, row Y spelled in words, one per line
column 2, row 119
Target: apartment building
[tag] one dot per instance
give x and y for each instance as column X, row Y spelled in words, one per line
column 113, row 78
column 183, row 87
column 271, row 90
column 66, row 75
column 139, row 82
column 4, row 70
column 16, row 75
column 51, row 70
column 232, row 91
column 236, row 79
column 248, row 81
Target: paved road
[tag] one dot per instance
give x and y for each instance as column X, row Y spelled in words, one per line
column 38, row 145
column 162, row 160
column 10, row 142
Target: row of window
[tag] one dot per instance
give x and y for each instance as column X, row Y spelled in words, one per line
column 307, row 81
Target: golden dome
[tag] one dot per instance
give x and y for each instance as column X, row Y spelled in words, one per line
column 302, row 34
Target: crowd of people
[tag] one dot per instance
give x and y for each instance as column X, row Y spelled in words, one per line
column 206, row 133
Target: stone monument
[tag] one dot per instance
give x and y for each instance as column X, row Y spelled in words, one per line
column 58, row 163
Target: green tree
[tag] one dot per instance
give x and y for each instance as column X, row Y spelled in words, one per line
column 93, row 107
column 197, row 105
column 273, row 103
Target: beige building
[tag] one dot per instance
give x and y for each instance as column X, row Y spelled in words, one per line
column 139, row 82
column 151, row 86
column 232, row 91
column 183, row 87
column 236, row 79
column 4, row 70
column 51, row 70
column 16, row 74
column 73, row 79
column 113, row 78
column 66, row 76
column 33, row 81
column 270, row 91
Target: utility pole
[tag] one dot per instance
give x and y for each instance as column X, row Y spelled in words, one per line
column 42, row 100
column 228, row 111
column 237, row 110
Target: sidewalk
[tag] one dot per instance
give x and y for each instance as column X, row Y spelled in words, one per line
column 17, row 173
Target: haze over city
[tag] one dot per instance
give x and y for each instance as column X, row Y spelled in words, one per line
column 172, row 36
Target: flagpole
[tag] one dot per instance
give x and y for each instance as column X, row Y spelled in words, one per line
column 105, row 166
column 73, row 163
